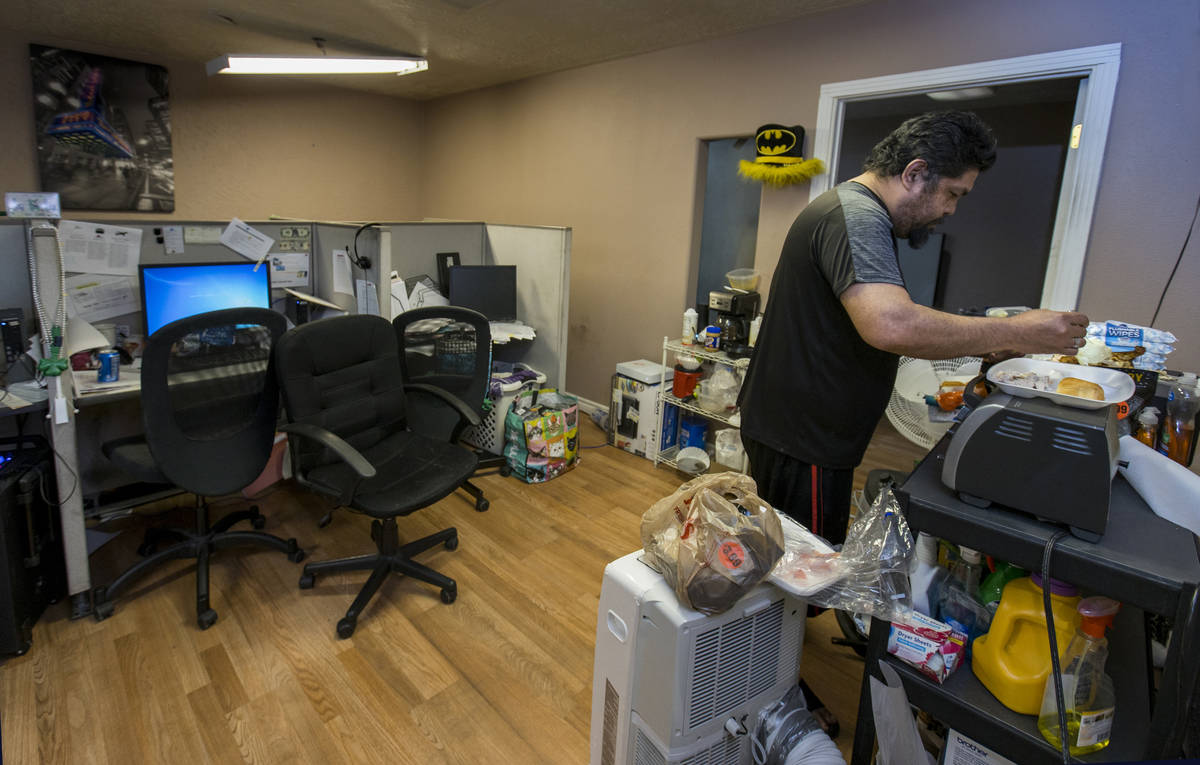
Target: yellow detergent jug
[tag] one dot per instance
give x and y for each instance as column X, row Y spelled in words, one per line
column 1013, row 659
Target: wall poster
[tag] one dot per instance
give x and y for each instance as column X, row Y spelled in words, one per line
column 103, row 131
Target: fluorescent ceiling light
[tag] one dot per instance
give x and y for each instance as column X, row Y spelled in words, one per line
column 248, row 64
column 962, row 94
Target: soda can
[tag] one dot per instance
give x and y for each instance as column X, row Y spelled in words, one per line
column 110, row 366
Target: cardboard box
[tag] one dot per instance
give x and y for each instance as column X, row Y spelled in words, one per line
column 633, row 411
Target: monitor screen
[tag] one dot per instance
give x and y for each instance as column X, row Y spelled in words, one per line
column 171, row 292
column 491, row 290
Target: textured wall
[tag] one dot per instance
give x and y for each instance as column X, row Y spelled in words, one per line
column 248, row 149
column 612, row 150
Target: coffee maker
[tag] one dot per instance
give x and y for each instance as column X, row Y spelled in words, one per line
column 735, row 309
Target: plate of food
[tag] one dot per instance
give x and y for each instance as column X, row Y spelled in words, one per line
column 1067, row 384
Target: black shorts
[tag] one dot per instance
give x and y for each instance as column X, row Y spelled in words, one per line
column 818, row 498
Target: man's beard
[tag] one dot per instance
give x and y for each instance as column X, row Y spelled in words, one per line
column 917, row 237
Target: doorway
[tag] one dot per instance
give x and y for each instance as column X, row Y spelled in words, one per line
column 1095, row 70
column 994, row 250
column 729, row 214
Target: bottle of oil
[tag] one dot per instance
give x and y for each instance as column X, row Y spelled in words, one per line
column 1087, row 691
column 1182, row 403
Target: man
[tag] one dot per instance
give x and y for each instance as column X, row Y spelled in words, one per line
column 839, row 317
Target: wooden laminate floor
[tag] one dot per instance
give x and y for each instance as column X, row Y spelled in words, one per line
column 503, row 675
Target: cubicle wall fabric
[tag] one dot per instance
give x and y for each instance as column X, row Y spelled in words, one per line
column 541, row 435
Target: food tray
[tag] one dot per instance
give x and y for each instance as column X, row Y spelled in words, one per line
column 1117, row 385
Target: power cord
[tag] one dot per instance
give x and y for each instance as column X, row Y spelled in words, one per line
column 1056, row 668
column 1178, row 260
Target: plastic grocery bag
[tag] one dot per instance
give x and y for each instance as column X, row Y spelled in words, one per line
column 895, row 728
column 874, row 563
column 713, row 540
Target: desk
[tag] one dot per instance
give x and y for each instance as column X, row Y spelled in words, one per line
column 1147, row 563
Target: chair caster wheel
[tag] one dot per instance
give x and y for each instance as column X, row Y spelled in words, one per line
column 297, row 555
column 449, row 595
column 258, row 521
column 306, row 581
column 206, row 618
column 146, row 549
column 345, row 627
column 481, row 505
column 505, row 470
column 102, row 609
column 452, row 543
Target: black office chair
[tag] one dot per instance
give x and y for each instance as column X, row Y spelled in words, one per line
column 449, row 347
column 210, row 402
column 349, row 411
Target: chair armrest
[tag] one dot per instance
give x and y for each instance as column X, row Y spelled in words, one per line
column 464, row 412
column 335, row 443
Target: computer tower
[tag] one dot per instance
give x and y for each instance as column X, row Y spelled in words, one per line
column 32, row 573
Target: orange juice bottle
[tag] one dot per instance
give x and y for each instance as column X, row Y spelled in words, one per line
column 1013, row 659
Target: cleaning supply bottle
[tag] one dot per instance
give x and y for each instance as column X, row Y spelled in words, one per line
column 992, row 586
column 958, row 601
column 1147, row 431
column 1013, row 659
column 925, row 575
column 1087, row 692
column 1182, row 404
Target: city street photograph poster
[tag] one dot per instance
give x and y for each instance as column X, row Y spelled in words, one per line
column 103, row 131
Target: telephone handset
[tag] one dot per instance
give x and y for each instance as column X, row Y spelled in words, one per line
column 52, row 363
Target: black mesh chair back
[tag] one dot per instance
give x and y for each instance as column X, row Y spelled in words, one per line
column 210, row 403
column 210, row 399
column 448, row 347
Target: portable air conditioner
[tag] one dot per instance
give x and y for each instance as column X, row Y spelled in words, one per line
column 672, row 686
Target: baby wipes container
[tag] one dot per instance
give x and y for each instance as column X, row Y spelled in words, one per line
column 1013, row 659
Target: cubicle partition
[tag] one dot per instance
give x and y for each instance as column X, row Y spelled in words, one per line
column 336, row 262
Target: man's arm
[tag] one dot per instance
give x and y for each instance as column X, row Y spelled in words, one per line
column 887, row 318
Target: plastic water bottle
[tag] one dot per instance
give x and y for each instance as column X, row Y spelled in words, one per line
column 689, row 326
column 1180, row 430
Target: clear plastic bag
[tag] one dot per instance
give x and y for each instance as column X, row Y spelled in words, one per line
column 786, row 733
column 713, row 540
column 875, row 560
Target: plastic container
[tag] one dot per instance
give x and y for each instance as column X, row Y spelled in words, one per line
column 1087, row 692
column 743, row 279
column 926, row 576
column 1013, row 659
column 1180, row 429
column 728, row 450
column 690, row 318
column 1147, row 431
column 692, row 431
column 992, row 587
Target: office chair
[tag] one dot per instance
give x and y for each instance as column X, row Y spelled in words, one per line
column 210, row 402
column 348, row 412
column 449, row 347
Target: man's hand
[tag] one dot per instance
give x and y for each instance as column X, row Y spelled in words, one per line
column 1045, row 331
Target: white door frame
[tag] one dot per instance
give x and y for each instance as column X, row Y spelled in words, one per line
column 1099, row 64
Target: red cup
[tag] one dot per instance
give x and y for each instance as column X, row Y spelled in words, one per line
column 684, row 382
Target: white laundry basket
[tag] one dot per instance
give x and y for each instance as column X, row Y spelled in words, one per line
column 489, row 435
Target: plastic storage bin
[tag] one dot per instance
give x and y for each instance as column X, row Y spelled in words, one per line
column 489, row 435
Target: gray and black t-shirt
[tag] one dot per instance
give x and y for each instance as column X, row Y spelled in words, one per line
column 815, row 390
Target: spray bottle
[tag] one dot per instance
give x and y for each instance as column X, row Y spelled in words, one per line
column 1087, row 692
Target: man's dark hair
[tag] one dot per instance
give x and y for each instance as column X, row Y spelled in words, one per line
column 950, row 143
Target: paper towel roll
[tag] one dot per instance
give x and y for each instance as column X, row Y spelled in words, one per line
column 1171, row 490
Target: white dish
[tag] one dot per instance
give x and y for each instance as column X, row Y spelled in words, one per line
column 692, row 459
column 1117, row 385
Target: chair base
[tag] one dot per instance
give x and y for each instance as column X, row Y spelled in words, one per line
column 392, row 557
column 198, row 544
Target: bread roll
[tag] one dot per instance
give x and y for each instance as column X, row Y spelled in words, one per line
column 1073, row 386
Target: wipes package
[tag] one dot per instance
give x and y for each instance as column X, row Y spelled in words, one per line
column 927, row 644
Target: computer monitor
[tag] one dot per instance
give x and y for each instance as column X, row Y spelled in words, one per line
column 491, row 290
column 173, row 291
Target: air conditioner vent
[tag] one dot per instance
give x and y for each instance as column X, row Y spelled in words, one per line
column 733, row 663
column 1012, row 426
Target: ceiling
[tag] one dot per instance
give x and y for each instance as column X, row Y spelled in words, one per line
column 470, row 44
